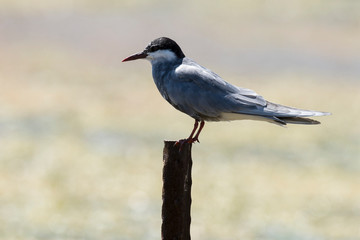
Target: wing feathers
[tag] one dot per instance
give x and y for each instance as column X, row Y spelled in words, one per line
column 202, row 94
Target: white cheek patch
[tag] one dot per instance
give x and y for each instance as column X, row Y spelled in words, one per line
column 161, row 55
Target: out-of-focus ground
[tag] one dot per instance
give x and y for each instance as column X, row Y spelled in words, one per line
column 81, row 133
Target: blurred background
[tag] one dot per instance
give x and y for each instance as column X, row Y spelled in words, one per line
column 81, row 134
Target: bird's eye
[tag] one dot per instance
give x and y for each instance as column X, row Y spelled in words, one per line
column 154, row 48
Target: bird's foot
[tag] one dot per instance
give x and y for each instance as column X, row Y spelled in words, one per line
column 181, row 142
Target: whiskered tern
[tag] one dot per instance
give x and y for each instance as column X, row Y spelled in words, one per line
column 205, row 96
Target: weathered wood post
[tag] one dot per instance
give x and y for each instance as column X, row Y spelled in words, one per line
column 176, row 192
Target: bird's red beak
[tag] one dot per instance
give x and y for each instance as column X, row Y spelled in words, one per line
column 136, row 56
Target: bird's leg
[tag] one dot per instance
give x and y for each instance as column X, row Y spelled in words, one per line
column 193, row 131
column 190, row 138
column 196, row 138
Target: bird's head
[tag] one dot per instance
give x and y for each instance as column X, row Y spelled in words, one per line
column 161, row 49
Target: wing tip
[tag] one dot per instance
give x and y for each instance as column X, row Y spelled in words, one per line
column 318, row 114
column 299, row 120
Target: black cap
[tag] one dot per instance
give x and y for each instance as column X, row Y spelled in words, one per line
column 164, row 43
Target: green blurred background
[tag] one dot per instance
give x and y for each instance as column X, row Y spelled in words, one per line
column 81, row 134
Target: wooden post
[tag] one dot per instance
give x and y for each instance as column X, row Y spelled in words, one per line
column 176, row 193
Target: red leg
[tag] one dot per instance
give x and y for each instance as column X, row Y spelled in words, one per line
column 189, row 139
column 193, row 131
column 196, row 138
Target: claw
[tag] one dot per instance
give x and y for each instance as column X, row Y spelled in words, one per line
column 191, row 139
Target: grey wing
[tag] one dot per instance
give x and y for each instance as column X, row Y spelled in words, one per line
column 202, row 94
column 284, row 111
column 279, row 114
column 282, row 114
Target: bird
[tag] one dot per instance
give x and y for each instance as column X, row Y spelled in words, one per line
column 205, row 96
